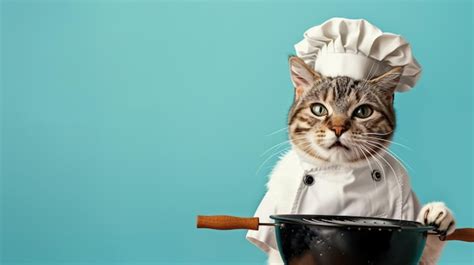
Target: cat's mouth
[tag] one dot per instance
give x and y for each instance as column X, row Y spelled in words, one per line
column 338, row 144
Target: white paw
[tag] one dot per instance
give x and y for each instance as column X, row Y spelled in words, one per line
column 438, row 215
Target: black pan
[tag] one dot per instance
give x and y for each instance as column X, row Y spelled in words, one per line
column 334, row 240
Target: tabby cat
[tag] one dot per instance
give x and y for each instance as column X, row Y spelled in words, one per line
column 338, row 124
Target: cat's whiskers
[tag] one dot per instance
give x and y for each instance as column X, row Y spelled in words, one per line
column 390, row 153
column 270, row 157
column 379, row 145
column 375, row 153
column 275, row 147
column 277, row 131
column 384, row 140
column 372, row 153
column 393, row 170
column 375, row 133
column 368, row 162
column 280, row 144
column 370, row 166
column 358, row 149
column 279, row 152
column 374, row 149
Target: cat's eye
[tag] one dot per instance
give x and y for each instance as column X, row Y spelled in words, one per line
column 363, row 111
column 319, row 110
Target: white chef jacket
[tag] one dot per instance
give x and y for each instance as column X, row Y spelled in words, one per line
column 375, row 189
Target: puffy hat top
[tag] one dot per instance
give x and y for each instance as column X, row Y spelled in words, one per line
column 358, row 49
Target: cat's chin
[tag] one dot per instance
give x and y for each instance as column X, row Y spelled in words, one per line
column 332, row 157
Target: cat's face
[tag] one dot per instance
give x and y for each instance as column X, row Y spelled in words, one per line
column 341, row 120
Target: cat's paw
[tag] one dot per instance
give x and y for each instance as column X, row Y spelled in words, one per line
column 438, row 215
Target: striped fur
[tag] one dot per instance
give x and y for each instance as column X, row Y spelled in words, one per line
column 315, row 136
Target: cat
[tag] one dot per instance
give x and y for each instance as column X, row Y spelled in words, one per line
column 339, row 121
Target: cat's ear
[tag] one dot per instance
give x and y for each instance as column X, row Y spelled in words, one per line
column 389, row 80
column 302, row 76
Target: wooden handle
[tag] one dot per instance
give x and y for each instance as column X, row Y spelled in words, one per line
column 462, row 234
column 225, row 222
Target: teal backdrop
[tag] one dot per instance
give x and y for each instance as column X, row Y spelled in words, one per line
column 121, row 121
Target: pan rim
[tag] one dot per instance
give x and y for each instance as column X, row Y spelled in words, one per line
column 291, row 218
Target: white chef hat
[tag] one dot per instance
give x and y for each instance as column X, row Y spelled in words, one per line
column 358, row 49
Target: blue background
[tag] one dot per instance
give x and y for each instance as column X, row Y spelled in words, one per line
column 121, row 121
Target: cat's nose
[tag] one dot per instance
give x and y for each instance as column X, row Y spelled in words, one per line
column 338, row 130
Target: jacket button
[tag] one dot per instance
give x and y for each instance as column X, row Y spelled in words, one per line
column 376, row 175
column 308, row 180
